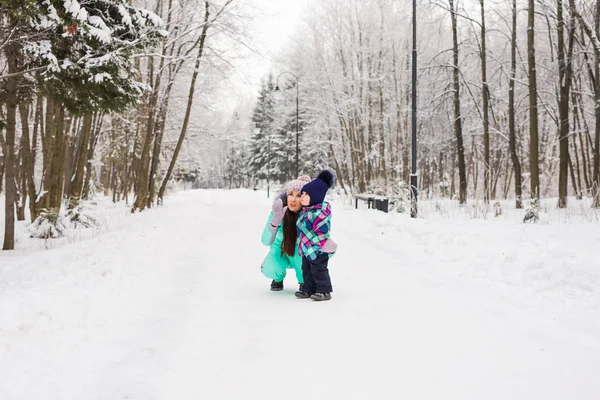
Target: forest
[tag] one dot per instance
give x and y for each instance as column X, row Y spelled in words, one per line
column 122, row 98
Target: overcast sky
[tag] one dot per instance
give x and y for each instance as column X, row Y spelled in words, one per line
column 277, row 21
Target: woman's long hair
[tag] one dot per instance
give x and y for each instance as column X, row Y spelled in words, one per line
column 290, row 234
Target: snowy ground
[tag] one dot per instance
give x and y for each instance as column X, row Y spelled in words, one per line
column 170, row 304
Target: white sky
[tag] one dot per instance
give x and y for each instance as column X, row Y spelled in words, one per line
column 277, row 22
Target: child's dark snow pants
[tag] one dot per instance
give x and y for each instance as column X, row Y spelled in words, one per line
column 316, row 275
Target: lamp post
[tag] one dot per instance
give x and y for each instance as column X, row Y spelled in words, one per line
column 413, row 173
column 257, row 131
column 277, row 90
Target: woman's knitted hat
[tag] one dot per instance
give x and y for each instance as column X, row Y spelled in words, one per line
column 296, row 184
column 317, row 188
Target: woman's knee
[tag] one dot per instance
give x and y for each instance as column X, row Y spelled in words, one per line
column 273, row 269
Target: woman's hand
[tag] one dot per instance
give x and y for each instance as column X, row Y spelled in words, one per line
column 278, row 212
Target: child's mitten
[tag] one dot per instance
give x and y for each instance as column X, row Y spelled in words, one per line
column 329, row 246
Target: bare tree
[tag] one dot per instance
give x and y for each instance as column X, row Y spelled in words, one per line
column 485, row 99
column 511, row 109
column 534, row 169
column 11, row 51
column 565, row 69
column 190, row 101
column 462, row 176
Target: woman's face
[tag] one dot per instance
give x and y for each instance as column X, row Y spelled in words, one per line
column 293, row 202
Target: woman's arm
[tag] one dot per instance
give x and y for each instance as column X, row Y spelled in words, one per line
column 275, row 218
column 269, row 233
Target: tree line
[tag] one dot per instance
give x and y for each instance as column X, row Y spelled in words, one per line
column 509, row 98
column 88, row 91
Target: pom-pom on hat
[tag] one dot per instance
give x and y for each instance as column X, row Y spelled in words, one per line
column 318, row 187
column 296, row 184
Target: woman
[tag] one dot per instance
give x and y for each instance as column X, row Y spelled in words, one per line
column 281, row 235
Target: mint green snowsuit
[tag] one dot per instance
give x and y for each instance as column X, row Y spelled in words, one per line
column 276, row 263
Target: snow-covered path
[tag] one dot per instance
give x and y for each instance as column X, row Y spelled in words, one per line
column 173, row 306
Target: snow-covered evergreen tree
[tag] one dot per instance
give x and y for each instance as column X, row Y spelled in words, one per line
column 262, row 136
column 85, row 51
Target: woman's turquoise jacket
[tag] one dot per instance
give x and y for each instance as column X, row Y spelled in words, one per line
column 276, row 263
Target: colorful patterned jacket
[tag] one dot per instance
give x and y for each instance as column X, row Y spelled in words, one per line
column 313, row 227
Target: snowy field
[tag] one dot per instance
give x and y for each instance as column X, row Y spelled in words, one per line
column 171, row 304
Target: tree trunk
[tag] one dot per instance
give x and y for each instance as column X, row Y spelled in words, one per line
column 80, row 164
column 577, row 176
column 382, row 162
column 486, row 123
column 188, row 110
column 596, row 172
column 56, row 163
column 11, row 52
column 141, row 186
column 571, row 170
column 71, row 130
column 564, row 75
column 534, row 167
column 159, row 133
column 580, row 128
column 462, row 175
column 2, row 160
column 28, row 165
column 496, row 171
column 96, row 128
column 38, row 128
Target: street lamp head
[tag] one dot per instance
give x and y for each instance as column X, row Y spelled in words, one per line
column 277, row 93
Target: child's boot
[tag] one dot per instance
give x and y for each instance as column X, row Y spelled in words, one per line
column 302, row 295
column 321, row 296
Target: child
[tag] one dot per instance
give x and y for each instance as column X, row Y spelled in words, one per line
column 313, row 231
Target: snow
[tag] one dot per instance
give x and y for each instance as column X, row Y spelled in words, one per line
column 99, row 78
column 52, row 15
column 97, row 61
column 148, row 17
column 125, row 17
column 43, row 49
column 99, row 30
column 66, row 64
column 170, row 304
column 72, row 7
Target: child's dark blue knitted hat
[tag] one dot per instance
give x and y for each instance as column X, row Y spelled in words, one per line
column 317, row 188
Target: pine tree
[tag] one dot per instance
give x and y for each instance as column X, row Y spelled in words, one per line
column 284, row 145
column 262, row 137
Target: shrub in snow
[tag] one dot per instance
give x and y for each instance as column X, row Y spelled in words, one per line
column 48, row 225
column 444, row 185
column 479, row 210
column 497, row 209
column 81, row 216
column 54, row 224
column 532, row 212
column 400, row 200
